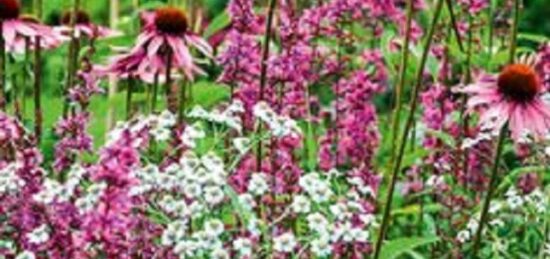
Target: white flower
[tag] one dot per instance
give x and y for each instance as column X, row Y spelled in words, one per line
column 340, row 211
column 301, row 204
column 463, row 236
column 212, row 162
column 160, row 134
column 320, row 193
column 258, row 184
column 198, row 112
column 472, row 225
column 495, row 207
column 317, row 222
column 253, row 226
column 219, row 253
column 25, row 255
column 242, row 145
column 514, row 202
column 192, row 190
column 186, row 248
column 39, row 235
column 174, row 232
column 368, row 219
column 284, row 243
column 247, row 201
column 496, row 223
column 6, row 245
column 214, row 227
column 435, row 180
column 243, row 246
column 166, row 119
column 10, row 182
column 321, row 247
column 359, row 235
column 213, row 195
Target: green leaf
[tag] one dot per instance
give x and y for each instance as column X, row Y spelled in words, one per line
column 394, row 248
column 221, row 21
column 533, row 37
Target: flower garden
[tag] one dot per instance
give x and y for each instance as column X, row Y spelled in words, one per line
column 274, row 129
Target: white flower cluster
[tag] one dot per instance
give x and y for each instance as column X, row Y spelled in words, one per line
column 39, row 235
column 53, row 190
column 335, row 226
column 206, row 242
column 9, row 180
column 25, row 255
column 91, row 198
column 230, row 117
column 159, row 125
column 318, row 189
column 280, row 126
column 284, row 243
column 514, row 201
column 191, row 134
column 200, row 179
column 257, row 185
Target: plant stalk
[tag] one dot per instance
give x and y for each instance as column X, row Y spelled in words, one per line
column 37, row 90
column 492, row 187
column 2, row 69
column 73, row 57
column 396, row 118
column 410, row 121
column 263, row 74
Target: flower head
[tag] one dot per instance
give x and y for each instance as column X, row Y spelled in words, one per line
column 514, row 96
column 9, row 9
column 171, row 20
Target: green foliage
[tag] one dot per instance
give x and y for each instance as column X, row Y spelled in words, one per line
column 395, row 248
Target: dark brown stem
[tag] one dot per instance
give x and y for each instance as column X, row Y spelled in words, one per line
column 455, row 25
column 37, row 90
column 263, row 74
column 2, row 69
column 129, row 94
column 73, row 57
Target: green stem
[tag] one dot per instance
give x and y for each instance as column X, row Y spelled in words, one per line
column 500, row 144
column 396, row 168
column 514, row 34
column 154, row 93
column 396, row 118
column 263, row 73
column 455, row 25
column 492, row 187
column 181, row 109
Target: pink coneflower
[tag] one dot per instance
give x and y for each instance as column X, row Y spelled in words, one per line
column 84, row 26
column 18, row 31
column 166, row 32
column 512, row 96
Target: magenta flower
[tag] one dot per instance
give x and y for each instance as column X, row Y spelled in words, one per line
column 84, row 26
column 166, row 31
column 513, row 96
column 16, row 29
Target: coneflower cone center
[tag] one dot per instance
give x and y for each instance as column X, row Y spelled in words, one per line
column 9, row 9
column 171, row 20
column 81, row 17
column 519, row 82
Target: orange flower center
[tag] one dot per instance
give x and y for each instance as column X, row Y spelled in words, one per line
column 519, row 82
column 171, row 20
column 81, row 17
column 9, row 9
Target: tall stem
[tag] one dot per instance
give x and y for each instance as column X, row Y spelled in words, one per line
column 181, row 108
column 263, row 73
column 500, row 144
column 514, row 34
column 396, row 118
column 155, row 93
column 396, row 168
column 129, row 94
column 37, row 90
column 492, row 186
column 171, row 97
column 73, row 57
column 455, row 25
column 2, row 69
